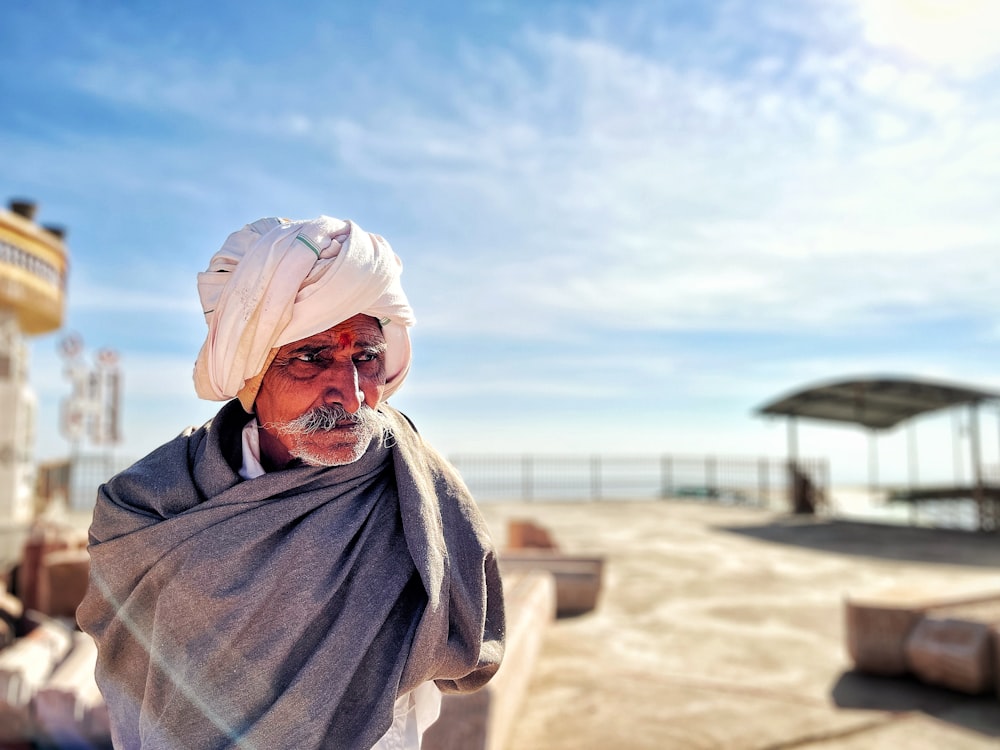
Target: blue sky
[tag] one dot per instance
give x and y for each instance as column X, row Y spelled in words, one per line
column 624, row 225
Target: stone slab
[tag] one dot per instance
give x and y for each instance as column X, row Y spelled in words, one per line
column 25, row 666
column 69, row 708
column 483, row 720
column 956, row 654
column 578, row 578
column 879, row 623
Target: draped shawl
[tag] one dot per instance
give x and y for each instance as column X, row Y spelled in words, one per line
column 290, row 610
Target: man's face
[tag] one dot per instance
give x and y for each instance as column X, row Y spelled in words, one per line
column 342, row 366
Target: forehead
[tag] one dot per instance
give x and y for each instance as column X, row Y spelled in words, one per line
column 361, row 330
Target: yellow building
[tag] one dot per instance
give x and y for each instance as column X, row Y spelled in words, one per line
column 33, row 265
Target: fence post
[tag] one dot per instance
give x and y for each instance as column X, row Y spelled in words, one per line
column 526, row 477
column 595, row 478
column 666, row 476
column 710, row 475
column 762, row 483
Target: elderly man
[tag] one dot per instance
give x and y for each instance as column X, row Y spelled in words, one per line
column 303, row 571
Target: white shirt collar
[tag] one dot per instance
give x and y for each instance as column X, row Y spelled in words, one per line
column 251, row 468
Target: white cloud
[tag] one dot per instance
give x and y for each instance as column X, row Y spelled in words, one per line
column 774, row 168
column 598, row 178
column 960, row 36
column 624, row 197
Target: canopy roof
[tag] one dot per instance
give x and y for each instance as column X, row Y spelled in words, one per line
column 878, row 403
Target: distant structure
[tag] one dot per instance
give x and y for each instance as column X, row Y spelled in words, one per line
column 33, row 264
column 882, row 402
column 93, row 410
column 90, row 417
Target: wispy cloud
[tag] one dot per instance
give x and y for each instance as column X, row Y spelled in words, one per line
column 605, row 178
column 836, row 189
column 801, row 171
column 659, row 185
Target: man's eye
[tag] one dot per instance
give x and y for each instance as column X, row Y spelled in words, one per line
column 306, row 357
column 366, row 357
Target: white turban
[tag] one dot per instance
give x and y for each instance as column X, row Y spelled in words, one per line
column 277, row 281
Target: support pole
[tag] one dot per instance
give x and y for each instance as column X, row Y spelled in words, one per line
column 793, row 461
column 763, row 492
column 872, row 464
column 666, row 476
column 996, row 476
column 975, row 456
column 975, row 453
column 793, row 441
column 956, row 428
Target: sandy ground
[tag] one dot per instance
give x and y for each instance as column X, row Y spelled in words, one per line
column 723, row 627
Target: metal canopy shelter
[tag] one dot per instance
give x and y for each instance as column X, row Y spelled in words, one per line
column 879, row 403
column 876, row 403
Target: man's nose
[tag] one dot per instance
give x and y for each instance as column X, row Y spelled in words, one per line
column 341, row 386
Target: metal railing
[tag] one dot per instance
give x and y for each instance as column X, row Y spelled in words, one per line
column 74, row 482
column 759, row 482
column 762, row 482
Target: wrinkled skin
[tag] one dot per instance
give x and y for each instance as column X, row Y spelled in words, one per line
column 342, row 365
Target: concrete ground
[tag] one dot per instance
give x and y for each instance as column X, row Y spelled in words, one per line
column 723, row 627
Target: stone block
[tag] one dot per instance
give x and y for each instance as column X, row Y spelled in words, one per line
column 956, row 654
column 522, row 534
column 62, row 582
column 69, row 709
column 25, row 666
column 42, row 541
column 878, row 624
column 578, row 578
column 956, row 648
column 483, row 720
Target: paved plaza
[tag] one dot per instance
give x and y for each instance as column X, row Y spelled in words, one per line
column 723, row 627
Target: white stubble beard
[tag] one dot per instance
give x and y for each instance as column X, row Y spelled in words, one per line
column 368, row 423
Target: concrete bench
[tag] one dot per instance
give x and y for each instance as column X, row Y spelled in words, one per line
column 578, row 578
column 879, row 624
column 483, row 720
column 955, row 654
column 953, row 646
column 881, row 627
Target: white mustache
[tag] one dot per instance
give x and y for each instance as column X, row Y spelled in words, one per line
column 325, row 418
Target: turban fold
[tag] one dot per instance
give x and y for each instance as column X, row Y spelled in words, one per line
column 277, row 281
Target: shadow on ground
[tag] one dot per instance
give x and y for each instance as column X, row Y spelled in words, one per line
column 887, row 541
column 901, row 695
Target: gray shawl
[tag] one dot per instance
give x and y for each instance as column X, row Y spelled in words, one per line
column 290, row 610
